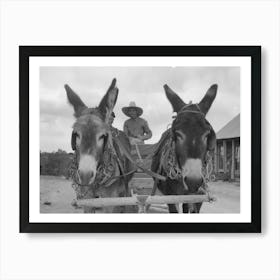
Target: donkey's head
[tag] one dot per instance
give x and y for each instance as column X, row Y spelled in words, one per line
column 91, row 131
column 193, row 136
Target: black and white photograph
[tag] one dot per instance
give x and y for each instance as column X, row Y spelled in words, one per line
column 120, row 136
column 135, row 136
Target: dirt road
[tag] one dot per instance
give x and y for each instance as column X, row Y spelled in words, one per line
column 56, row 195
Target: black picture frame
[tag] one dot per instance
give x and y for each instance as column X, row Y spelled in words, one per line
column 254, row 52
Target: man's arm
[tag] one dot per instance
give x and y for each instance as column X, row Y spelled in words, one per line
column 148, row 132
column 125, row 128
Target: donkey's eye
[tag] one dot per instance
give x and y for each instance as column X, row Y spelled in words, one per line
column 205, row 135
column 77, row 139
column 102, row 137
column 77, row 135
column 179, row 134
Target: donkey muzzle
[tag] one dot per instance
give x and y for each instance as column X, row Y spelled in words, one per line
column 86, row 170
column 192, row 175
column 85, row 178
column 192, row 184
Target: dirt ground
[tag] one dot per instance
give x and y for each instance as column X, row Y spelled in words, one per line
column 56, row 195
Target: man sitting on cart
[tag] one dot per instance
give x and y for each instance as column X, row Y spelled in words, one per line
column 136, row 128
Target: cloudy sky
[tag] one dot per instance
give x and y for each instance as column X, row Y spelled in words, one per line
column 144, row 85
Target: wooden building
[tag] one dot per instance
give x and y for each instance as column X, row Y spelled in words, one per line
column 227, row 151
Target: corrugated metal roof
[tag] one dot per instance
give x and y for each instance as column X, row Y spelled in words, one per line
column 231, row 129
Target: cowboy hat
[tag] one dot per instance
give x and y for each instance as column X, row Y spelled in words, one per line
column 132, row 105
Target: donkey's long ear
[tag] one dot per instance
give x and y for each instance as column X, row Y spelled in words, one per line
column 109, row 100
column 75, row 101
column 176, row 102
column 208, row 99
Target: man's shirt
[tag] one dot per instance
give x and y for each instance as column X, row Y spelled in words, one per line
column 135, row 127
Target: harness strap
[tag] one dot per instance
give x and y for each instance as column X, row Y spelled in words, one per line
column 138, row 152
column 124, row 175
column 129, row 157
column 185, row 109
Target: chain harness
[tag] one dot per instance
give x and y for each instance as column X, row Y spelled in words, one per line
column 169, row 163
